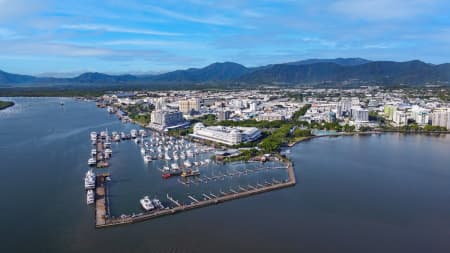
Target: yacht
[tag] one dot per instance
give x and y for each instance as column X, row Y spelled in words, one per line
column 146, row 203
column 90, row 197
column 187, row 164
column 143, row 151
column 93, row 136
column 117, row 137
column 190, row 173
column 108, row 152
column 142, row 133
column 133, row 133
column 175, row 166
column 92, row 161
column 167, row 157
column 89, row 180
column 157, row 203
column 93, row 152
column 147, row 158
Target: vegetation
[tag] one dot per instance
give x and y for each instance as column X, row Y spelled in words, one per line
column 5, row 104
column 139, row 113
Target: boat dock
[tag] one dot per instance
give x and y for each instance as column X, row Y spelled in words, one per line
column 101, row 200
column 103, row 219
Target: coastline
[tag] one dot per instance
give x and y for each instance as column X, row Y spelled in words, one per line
column 6, row 104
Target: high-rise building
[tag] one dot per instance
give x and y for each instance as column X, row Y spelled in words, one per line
column 189, row 105
column 441, row 118
column 359, row 114
column 223, row 115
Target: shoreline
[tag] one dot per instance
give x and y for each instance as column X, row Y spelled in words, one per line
column 6, row 104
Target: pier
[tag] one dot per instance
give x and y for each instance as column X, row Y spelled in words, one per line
column 103, row 219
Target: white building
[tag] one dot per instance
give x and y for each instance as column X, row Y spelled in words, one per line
column 400, row 118
column 420, row 115
column 441, row 118
column 360, row 115
column 270, row 116
column 226, row 135
column 189, row 105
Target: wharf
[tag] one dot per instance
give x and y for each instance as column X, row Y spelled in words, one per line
column 101, row 200
column 107, row 221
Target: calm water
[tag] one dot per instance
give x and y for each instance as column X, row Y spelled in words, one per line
column 388, row 193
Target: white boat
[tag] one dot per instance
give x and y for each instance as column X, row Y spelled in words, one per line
column 147, row 158
column 189, row 153
column 93, row 152
column 175, row 166
column 89, row 180
column 142, row 133
column 146, row 203
column 90, row 197
column 167, row 157
column 187, row 163
column 157, row 203
column 196, row 163
column 117, row 137
column 92, row 161
column 165, row 169
column 93, row 136
column 143, row 151
column 108, row 151
column 133, row 133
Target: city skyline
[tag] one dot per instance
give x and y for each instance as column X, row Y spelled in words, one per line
column 149, row 37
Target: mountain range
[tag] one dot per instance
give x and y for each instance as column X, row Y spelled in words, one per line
column 339, row 71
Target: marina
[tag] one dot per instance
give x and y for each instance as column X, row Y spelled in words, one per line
column 183, row 159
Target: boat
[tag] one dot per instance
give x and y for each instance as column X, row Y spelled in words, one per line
column 175, row 166
column 123, row 136
column 147, row 158
column 187, row 164
column 142, row 133
column 90, row 197
column 143, row 151
column 146, row 203
column 93, row 136
column 108, row 152
column 190, row 173
column 133, row 133
column 157, row 203
column 167, row 157
column 92, row 161
column 89, row 180
column 93, row 152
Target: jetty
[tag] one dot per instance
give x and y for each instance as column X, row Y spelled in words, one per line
column 103, row 219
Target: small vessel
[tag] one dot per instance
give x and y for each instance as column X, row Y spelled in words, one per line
column 93, row 152
column 108, row 152
column 93, row 136
column 89, row 180
column 190, row 173
column 175, row 166
column 147, row 158
column 187, row 164
column 157, row 203
column 146, row 203
column 92, row 161
column 90, row 197
column 143, row 151
column 133, row 133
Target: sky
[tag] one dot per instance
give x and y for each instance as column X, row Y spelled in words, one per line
column 63, row 38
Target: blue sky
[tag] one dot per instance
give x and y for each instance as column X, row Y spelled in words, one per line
column 113, row 36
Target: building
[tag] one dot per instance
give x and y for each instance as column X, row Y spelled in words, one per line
column 330, row 117
column 226, row 135
column 400, row 118
column 420, row 115
column 223, row 115
column 360, row 115
column 189, row 105
column 163, row 119
column 270, row 116
column 441, row 118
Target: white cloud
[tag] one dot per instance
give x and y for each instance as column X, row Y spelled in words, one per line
column 212, row 20
column 383, row 9
column 109, row 28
